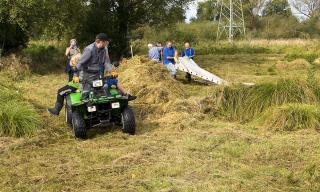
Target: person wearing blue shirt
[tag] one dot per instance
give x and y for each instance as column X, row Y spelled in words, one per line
column 169, row 55
column 154, row 53
column 190, row 53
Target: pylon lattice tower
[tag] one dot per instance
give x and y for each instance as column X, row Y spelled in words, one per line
column 231, row 19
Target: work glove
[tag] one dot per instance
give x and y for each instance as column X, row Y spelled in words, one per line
column 76, row 79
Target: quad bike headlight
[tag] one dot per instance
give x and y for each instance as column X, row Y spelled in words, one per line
column 92, row 109
column 115, row 105
column 97, row 83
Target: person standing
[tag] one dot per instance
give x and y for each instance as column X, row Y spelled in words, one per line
column 108, row 60
column 91, row 62
column 71, row 51
column 154, row 53
column 190, row 53
column 169, row 55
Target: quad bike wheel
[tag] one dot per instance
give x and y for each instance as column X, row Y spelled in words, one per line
column 79, row 125
column 128, row 121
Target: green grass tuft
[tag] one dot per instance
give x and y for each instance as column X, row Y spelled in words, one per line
column 291, row 117
column 244, row 103
column 17, row 118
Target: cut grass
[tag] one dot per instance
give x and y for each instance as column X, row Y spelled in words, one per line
column 185, row 149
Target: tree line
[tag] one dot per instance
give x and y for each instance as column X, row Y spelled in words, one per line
column 22, row 20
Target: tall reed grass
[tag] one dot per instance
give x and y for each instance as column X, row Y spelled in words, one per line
column 17, row 117
column 245, row 103
column 291, row 117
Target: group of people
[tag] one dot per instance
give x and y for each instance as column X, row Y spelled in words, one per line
column 94, row 63
column 168, row 55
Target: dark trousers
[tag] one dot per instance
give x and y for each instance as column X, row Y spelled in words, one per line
column 63, row 92
column 70, row 73
column 188, row 77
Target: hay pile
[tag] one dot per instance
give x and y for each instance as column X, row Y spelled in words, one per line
column 160, row 98
column 149, row 81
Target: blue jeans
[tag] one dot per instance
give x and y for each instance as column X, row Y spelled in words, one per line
column 171, row 68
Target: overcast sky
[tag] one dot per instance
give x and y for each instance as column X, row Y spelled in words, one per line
column 192, row 11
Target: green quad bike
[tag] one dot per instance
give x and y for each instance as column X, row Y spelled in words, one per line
column 100, row 110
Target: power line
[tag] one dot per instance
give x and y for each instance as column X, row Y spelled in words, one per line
column 231, row 19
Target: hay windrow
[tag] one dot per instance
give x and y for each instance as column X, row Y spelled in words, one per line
column 149, row 81
column 291, row 117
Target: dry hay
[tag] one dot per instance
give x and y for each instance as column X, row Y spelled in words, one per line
column 191, row 105
column 317, row 61
column 160, row 98
column 149, row 81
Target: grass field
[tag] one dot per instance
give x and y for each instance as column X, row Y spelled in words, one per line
column 180, row 145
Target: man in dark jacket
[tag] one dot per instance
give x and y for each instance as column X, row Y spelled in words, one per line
column 92, row 60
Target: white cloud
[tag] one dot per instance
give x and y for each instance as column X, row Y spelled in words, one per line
column 192, row 11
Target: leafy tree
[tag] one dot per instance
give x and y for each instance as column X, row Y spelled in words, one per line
column 16, row 19
column 208, row 10
column 118, row 17
column 277, row 7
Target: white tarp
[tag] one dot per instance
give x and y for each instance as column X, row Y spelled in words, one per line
column 188, row 65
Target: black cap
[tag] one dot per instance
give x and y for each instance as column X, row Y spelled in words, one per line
column 103, row 37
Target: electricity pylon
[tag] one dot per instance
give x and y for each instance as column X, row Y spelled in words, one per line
column 231, row 19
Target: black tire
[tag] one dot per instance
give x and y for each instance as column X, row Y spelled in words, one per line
column 68, row 111
column 128, row 121
column 79, row 125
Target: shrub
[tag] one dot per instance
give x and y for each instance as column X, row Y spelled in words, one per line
column 45, row 57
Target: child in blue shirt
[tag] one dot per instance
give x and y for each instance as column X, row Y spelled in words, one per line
column 111, row 82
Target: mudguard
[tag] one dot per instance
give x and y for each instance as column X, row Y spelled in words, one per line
column 75, row 99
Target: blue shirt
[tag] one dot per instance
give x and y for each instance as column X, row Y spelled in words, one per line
column 190, row 52
column 168, row 52
column 111, row 81
column 154, row 53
